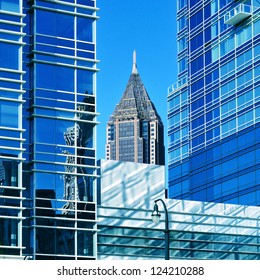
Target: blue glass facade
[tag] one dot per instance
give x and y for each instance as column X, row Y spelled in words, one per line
column 213, row 109
column 48, row 118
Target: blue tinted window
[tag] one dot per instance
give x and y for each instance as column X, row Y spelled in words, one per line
column 182, row 44
column 9, row 114
column 197, row 104
column 213, row 76
column 242, row 79
column 84, row 81
column 181, row 4
column 207, row 34
column 9, row 54
column 182, row 64
column 207, row 11
column 245, row 98
column 197, row 85
column 245, row 118
column 52, row 77
column 228, row 67
column 197, row 64
column 193, row 2
column 197, row 141
column 197, row 122
column 182, row 23
column 257, row 27
column 244, row 34
column 84, row 29
column 55, row 24
column 196, row 42
column 244, row 57
column 196, row 19
column 10, row 5
column 214, row 6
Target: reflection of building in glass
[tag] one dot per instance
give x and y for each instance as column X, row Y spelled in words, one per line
column 47, row 129
column 135, row 130
column 214, row 108
column 199, row 230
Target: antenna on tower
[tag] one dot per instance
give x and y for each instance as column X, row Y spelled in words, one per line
column 134, row 71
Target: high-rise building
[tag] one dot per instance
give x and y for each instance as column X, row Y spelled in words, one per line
column 47, row 129
column 213, row 110
column 135, row 129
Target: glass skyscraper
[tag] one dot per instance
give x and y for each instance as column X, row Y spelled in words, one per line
column 135, row 129
column 213, row 109
column 47, row 129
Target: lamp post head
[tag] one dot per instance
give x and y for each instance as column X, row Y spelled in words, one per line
column 156, row 215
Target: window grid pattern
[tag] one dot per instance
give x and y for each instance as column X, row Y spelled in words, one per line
column 222, row 85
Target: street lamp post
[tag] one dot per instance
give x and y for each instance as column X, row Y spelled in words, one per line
column 156, row 218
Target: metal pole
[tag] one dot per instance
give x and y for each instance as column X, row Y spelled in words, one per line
column 166, row 231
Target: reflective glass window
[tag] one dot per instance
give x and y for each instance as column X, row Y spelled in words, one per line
column 182, row 23
column 229, row 126
column 53, row 131
column 244, row 34
column 197, row 64
column 227, row 87
column 9, row 114
column 55, row 24
column 228, row 67
column 256, row 25
column 228, row 107
column 52, row 77
column 198, row 140
column 84, row 29
column 244, row 57
column 174, row 102
column 245, row 98
column 227, row 45
column 257, row 71
column 244, row 78
column 182, row 64
column 215, row 53
column 9, row 56
column 193, row 2
column 214, row 6
column 207, row 11
column 199, row 103
column 197, row 85
column 197, row 41
column 182, row 44
column 197, row 122
column 245, row 118
column 196, row 19
column 181, row 3
column 184, row 96
column 10, row 5
column 84, row 81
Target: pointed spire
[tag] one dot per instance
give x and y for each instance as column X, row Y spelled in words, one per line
column 134, row 71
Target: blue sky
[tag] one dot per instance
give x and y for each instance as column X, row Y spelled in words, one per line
column 147, row 26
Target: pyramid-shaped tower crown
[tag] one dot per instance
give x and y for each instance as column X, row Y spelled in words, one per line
column 135, row 102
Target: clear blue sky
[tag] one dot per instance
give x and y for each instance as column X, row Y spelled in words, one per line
column 147, row 26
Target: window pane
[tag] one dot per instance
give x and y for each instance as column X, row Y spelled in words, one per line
column 9, row 56
column 55, row 24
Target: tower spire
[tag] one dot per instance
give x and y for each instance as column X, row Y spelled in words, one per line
column 134, row 71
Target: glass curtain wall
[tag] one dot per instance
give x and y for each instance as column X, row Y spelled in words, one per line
column 60, row 118
column 11, row 130
column 213, row 110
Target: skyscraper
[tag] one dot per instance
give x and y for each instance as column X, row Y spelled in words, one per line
column 47, row 129
column 135, row 130
column 213, row 111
